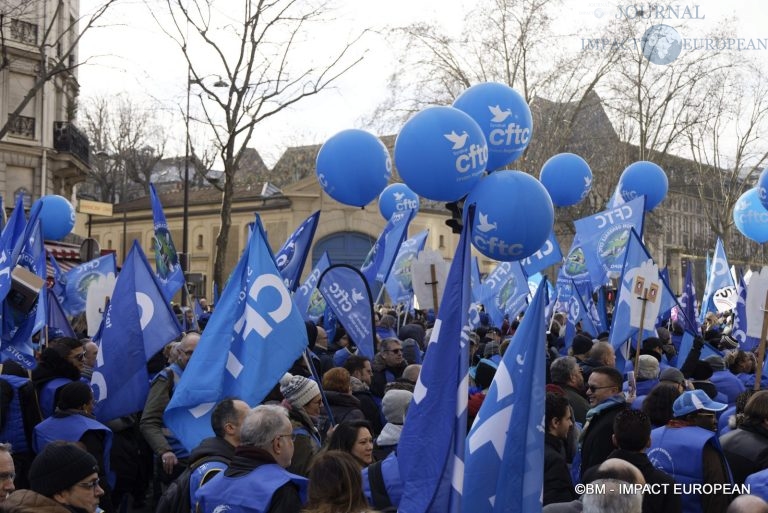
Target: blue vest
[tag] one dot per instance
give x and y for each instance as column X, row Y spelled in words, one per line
column 391, row 474
column 251, row 493
column 13, row 430
column 196, row 476
column 679, row 452
column 71, row 429
column 48, row 395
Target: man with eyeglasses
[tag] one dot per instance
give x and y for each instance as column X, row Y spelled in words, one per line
column 388, row 365
column 256, row 479
column 63, row 479
column 606, row 401
column 687, row 448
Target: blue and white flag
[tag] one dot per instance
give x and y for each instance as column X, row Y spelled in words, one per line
column 79, row 279
column 475, row 281
column 169, row 271
column 308, row 299
column 347, row 293
column 399, row 284
column 504, row 291
column 579, row 312
column 12, row 232
column 640, row 283
column 504, row 461
column 739, row 331
column 138, row 323
column 379, row 260
column 253, row 336
column 604, row 237
column 428, row 463
column 549, row 254
column 719, row 277
column 291, row 257
column 689, row 304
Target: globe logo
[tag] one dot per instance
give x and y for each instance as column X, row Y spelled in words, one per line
column 661, row 44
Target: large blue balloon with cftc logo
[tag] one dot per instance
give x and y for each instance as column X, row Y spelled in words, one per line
column 644, row 178
column 751, row 217
column 397, row 198
column 441, row 153
column 353, row 167
column 503, row 116
column 513, row 215
column 762, row 188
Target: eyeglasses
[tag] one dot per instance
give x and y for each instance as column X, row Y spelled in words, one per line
column 80, row 357
column 189, row 352
column 7, row 476
column 593, row 388
column 92, row 485
column 291, row 436
column 705, row 414
column 396, row 351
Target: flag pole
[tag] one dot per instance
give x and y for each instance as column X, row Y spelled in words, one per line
column 644, row 299
column 761, row 347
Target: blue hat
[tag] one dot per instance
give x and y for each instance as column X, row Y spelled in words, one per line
column 695, row 400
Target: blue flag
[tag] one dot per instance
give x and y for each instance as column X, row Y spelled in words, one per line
column 399, row 284
column 640, row 283
column 253, row 336
column 578, row 312
column 138, row 323
column 347, row 293
column 719, row 277
column 57, row 319
column 739, row 331
column 291, row 257
column 549, row 254
column 79, row 279
column 475, row 282
column 12, row 232
column 379, row 260
column 504, row 469
column 504, row 291
column 308, row 299
column 427, row 463
column 688, row 303
column 169, row 271
column 604, row 238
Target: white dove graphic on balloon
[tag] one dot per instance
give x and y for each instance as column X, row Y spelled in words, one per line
column 458, row 140
column 499, row 116
column 399, row 196
column 484, row 225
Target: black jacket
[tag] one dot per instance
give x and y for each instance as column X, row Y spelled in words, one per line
column 557, row 479
column 213, row 446
column 344, row 407
column 660, row 502
column 746, row 450
column 596, row 441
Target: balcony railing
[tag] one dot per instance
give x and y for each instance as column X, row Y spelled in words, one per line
column 67, row 138
column 21, row 126
column 23, row 32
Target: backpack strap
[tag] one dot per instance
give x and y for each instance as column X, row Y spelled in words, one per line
column 378, row 488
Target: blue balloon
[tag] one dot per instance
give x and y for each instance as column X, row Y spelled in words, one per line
column 397, row 198
column 644, row 178
column 57, row 217
column 751, row 217
column 567, row 178
column 441, row 153
column 762, row 188
column 353, row 167
column 503, row 116
column 513, row 215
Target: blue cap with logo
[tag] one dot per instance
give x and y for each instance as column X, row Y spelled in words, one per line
column 695, row 400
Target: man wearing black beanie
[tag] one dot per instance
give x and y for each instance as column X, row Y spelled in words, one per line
column 63, row 478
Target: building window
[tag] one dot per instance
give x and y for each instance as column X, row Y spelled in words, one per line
column 109, row 243
column 199, row 242
column 441, row 243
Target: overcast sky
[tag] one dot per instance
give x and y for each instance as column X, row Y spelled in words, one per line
column 133, row 55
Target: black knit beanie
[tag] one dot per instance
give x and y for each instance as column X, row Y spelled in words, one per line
column 75, row 395
column 59, row 467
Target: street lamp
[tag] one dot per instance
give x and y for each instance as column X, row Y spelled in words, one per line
column 185, row 212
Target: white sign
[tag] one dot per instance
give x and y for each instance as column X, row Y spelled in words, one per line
column 756, row 291
column 421, row 274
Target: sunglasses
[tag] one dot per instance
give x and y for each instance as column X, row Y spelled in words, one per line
column 593, row 388
column 80, row 357
column 396, row 351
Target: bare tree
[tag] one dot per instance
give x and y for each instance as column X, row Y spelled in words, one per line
column 262, row 72
column 126, row 146
column 55, row 36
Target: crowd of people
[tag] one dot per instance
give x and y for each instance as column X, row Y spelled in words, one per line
column 668, row 436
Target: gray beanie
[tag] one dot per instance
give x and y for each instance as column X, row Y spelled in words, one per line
column 298, row 390
column 395, row 404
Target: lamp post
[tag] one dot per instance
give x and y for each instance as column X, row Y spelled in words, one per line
column 184, row 261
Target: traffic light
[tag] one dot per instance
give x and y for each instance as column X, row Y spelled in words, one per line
column 456, row 221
